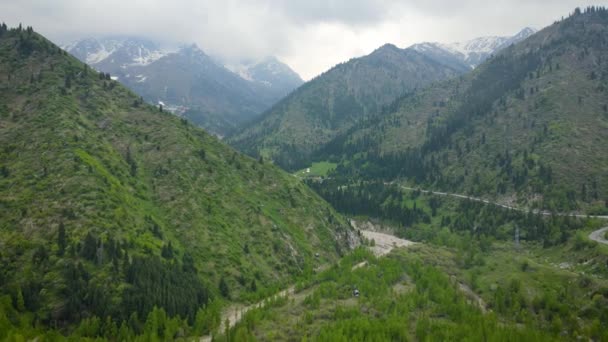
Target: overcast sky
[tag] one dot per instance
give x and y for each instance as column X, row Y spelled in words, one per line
column 309, row 35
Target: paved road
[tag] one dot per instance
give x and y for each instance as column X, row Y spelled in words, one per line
column 477, row 199
column 599, row 235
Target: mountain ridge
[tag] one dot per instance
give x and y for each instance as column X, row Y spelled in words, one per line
column 333, row 101
column 216, row 98
column 117, row 208
column 515, row 127
column 472, row 52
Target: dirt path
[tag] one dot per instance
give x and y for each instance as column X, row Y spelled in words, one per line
column 599, row 235
column 234, row 313
column 384, row 244
column 474, row 297
column 359, row 265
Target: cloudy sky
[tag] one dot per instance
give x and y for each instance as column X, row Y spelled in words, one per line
column 310, row 35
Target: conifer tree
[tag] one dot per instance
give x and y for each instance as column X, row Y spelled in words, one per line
column 61, row 240
column 224, row 289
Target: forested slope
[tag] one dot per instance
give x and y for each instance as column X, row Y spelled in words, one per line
column 531, row 123
column 110, row 207
column 331, row 103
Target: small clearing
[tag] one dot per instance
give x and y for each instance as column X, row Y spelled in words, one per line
column 384, row 243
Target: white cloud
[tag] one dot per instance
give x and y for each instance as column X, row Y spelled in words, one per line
column 310, row 36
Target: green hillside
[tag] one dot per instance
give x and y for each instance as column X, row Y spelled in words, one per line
column 331, row 103
column 425, row 293
column 529, row 125
column 110, row 207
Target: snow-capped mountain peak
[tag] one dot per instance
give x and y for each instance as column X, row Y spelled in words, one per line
column 477, row 45
column 125, row 51
column 472, row 52
column 92, row 50
column 523, row 34
column 268, row 71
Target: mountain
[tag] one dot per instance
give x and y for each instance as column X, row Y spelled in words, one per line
column 527, row 126
column 211, row 96
column 189, row 82
column 116, row 54
column 471, row 53
column 331, row 103
column 269, row 72
column 113, row 208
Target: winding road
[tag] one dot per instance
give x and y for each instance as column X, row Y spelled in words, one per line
column 597, row 236
column 481, row 200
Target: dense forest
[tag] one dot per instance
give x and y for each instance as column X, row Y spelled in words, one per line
column 410, row 209
column 513, row 126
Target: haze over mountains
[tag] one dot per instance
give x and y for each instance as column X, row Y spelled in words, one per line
column 222, row 96
column 188, row 81
column 332, row 102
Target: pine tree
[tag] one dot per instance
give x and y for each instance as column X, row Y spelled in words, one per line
column 167, row 251
column 61, row 240
column 68, row 82
column 89, row 248
column 224, row 290
column 131, row 162
column 20, row 301
column 584, row 192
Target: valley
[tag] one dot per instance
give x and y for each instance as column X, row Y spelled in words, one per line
column 437, row 192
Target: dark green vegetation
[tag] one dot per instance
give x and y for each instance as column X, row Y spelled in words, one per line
column 332, row 102
column 428, row 217
column 468, row 279
column 529, row 124
column 111, row 208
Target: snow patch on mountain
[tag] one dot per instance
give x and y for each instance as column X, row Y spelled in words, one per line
column 145, row 57
column 140, row 78
column 267, row 71
column 472, row 52
column 98, row 56
column 130, row 51
column 477, row 45
column 240, row 69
